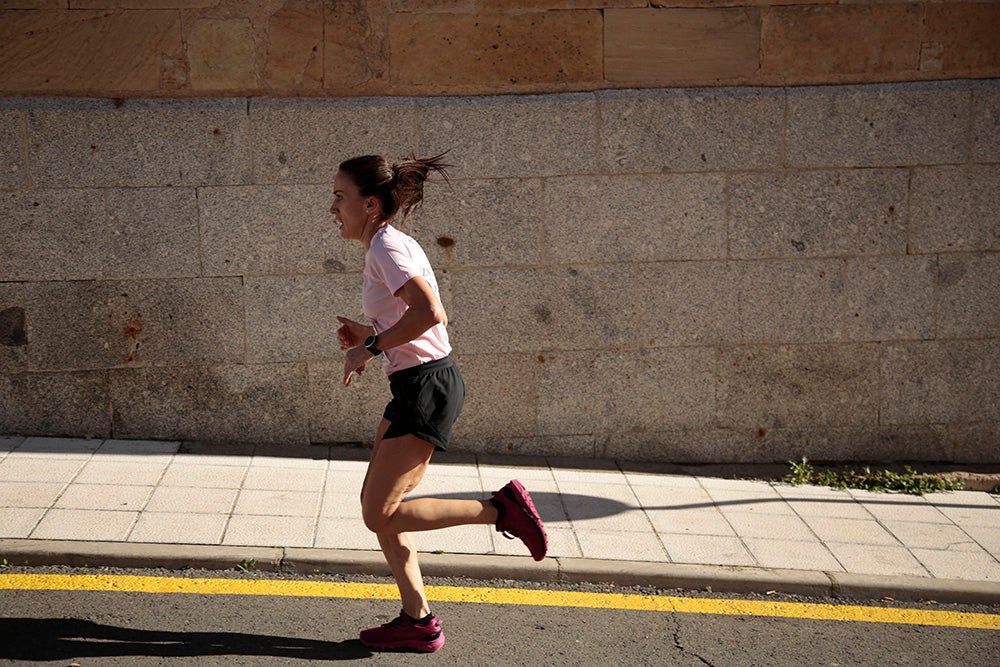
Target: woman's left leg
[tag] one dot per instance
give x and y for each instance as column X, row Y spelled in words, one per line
column 397, row 467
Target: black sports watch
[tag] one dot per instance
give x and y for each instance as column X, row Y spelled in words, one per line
column 371, row 344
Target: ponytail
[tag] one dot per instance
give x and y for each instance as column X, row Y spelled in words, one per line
column 408, row 181
column 400, row 186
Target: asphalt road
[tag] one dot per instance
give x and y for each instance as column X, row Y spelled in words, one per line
column 98, row 628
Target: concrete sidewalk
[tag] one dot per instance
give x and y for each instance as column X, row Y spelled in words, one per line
column 172, row 504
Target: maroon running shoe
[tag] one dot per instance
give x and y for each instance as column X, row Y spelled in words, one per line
column 518, row 518
column 404, row 633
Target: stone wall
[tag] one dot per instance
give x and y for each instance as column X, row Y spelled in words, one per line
column 689, row 274
column 674, row 253
column 349, row 48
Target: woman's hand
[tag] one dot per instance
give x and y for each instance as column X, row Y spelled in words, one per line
column 354, row 362
column 352, row 334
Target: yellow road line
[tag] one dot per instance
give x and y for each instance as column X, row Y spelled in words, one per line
column 513, row 596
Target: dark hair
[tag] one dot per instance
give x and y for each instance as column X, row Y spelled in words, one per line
column 399, row 186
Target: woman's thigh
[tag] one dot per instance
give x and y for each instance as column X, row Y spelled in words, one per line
column 396, row 468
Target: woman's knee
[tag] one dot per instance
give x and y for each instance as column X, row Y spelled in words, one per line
column 376, row 518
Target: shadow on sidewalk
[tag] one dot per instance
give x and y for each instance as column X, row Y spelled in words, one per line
column 39, row 639
column 556, row 507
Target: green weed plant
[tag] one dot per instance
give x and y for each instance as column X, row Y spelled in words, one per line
column 908, row 481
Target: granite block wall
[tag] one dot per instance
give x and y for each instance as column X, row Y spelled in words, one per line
column 687, row 274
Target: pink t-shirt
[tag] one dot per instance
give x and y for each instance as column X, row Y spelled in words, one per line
column 391, row 261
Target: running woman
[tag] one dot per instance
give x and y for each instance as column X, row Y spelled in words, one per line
column 408, row 335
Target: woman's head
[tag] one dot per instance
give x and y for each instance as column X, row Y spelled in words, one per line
column 397, row 187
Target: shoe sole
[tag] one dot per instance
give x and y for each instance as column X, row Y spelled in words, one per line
column 523, row 500
column 421, row 647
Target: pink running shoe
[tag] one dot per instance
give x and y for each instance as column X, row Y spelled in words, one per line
column 518, row 518
column 404, row 633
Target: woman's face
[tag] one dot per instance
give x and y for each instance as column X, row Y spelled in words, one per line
column 349, row 208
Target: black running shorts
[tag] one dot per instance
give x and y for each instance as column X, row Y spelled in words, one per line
column 426, row 400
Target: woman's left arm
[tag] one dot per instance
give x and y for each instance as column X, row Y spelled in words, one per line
column 424, row 310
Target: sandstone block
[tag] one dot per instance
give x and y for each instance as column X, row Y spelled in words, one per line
column 140, row 4
column 818, row 213
column 87, row 234
column 93, row 143
column 13, row 169
column 690, row 130
column 626, row 391
column 687, row 303
column 435, row 5
column 226, row 403
column 484, row 6
column 356, row 49
column 295, row 48
column 502, row 394
column 986, row 123
column 812, row 44
column 635, row 218
column 790, row 302
column 955, row 209
column 84, row 325
column 303, row 141
column 221, row 55
column 890, row 298
column 33, row 4
column 55, row 404
column 940, row 382
column 521, row 137
column 253, row 230
column 753, row 3
column 481, row 223
column 967, row 33
column 84, row 51
column 339, row 414
column 969, row 296
column 798, row 386
column 871, row 126
column 440, row 53
column 681, row 46
column 566, row 308
column 295, row 317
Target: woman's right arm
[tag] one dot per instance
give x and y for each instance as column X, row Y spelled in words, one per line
column 352, row 334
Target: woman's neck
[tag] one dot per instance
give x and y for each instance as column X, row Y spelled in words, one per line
column 370, row 232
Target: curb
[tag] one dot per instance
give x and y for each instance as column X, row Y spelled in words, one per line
column 717, row 578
